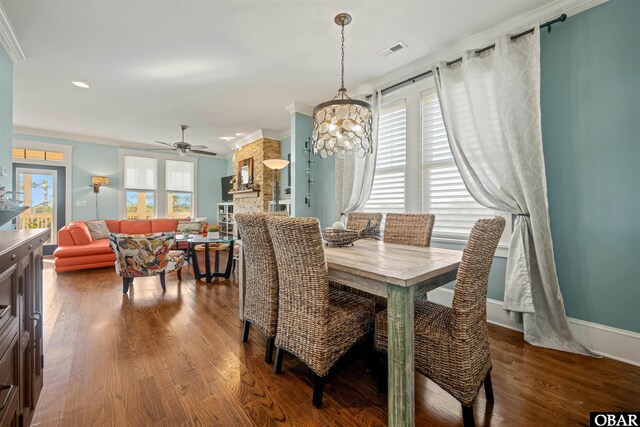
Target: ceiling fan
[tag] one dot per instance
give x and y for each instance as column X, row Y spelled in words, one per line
column 183, row 147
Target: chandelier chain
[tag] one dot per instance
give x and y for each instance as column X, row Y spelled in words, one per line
column 342, row 61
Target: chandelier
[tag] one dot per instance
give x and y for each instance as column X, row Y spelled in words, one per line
column 343, row 125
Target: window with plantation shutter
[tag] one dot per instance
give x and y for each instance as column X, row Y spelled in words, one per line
column 388, row 191
column 443, row 191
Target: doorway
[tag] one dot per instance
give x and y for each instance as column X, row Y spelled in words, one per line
column 42, row 187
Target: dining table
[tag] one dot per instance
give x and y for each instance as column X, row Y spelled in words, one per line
column 398, row 273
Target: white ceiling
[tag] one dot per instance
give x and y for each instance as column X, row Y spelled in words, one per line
column 221, row 67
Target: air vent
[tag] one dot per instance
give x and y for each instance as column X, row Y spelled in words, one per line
column 392, row 49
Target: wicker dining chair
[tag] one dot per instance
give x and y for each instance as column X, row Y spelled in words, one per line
column 261, row 277
column 409, row 229
column 316, row 323
column 360, row 220
column 451, row 343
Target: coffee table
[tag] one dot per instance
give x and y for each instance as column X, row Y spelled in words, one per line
column 208, row 274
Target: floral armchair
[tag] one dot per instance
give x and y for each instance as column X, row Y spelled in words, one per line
column 145, row 255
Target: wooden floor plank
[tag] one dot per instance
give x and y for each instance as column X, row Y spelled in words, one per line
column 150, row 359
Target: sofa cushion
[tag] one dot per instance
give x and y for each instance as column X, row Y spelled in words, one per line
column 97, row 247
column 164, row 225
column 80, row 233
column 90, row 261
column 64, row 237
column 135, row 226
column 113, row 225
column 98, row 229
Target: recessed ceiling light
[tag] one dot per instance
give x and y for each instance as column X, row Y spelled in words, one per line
column 83, row 85
column 239, row 134
column 227, row 138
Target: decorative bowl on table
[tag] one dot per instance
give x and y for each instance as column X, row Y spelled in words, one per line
column 337, row 235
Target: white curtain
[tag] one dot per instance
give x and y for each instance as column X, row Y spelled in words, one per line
column 354, row 176
column 491, row 109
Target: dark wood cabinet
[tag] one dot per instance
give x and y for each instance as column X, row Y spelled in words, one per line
column 21, row 344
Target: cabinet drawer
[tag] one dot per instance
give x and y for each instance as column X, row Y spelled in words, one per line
column 9, row 396
column 8, row 296
column 9, row 416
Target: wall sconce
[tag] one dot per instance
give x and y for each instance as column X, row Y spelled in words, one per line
column 97, row 181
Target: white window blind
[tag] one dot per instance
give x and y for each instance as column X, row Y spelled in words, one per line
column 179, row 176
column 388, row 191
column 140, row 173
column 444, row 192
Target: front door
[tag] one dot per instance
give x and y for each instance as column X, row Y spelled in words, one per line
column 43, row 189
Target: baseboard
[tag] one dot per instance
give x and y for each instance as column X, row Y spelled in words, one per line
column 606, row 341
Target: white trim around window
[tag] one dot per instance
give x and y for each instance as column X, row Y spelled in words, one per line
column 161, row 193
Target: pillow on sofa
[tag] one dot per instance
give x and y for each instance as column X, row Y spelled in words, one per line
column 80, row 233
column 203, row 222
column 189, row 227
column 98, row 229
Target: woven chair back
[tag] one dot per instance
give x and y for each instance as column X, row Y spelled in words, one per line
column 409, row 229
column 470, row 294
column 304, row 284
column 360, row 220
column 261, row 271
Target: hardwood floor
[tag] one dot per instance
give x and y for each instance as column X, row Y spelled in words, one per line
column 178, row 359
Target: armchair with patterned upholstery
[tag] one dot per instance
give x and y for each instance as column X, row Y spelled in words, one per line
column 141, row 255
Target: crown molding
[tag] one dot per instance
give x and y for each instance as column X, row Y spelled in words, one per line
column 254, row 136
column 8, row 38
column 28, row 131
column 285, row 134
column 510, row 26
column 299, row 107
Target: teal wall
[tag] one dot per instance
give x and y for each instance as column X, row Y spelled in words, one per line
column 229, row 167
column 209, row 187
column 285, row 150
column 322, row 173
column 98, row 159
column 591, row 129
column 301, row 128
column 323, row 191
column 6, row 115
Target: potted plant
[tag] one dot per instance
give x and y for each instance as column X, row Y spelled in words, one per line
column 287, row 193
column 213, row 231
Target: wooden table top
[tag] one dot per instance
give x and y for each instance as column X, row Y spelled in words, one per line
column 400, row 265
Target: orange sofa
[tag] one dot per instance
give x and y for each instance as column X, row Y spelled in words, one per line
column 80, row 254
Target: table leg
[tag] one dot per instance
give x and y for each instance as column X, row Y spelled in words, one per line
column 194, row 262
column 241, row 273
column 216, row 262
column 227, row 272
column 400, row 355
column 207, row 262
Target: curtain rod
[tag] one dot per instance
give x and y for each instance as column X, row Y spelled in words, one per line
column 427, row 73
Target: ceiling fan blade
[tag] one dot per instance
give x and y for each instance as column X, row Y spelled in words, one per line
column 204, row 152
column 160, row 149
column 164, row 143
column 198, row 147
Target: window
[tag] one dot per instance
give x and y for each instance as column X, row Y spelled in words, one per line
column 443, row 191
column 179, row 187
column 140, row 183
column 140, row 204
column 157, row 186
column 388, row 191
column 24, row 153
